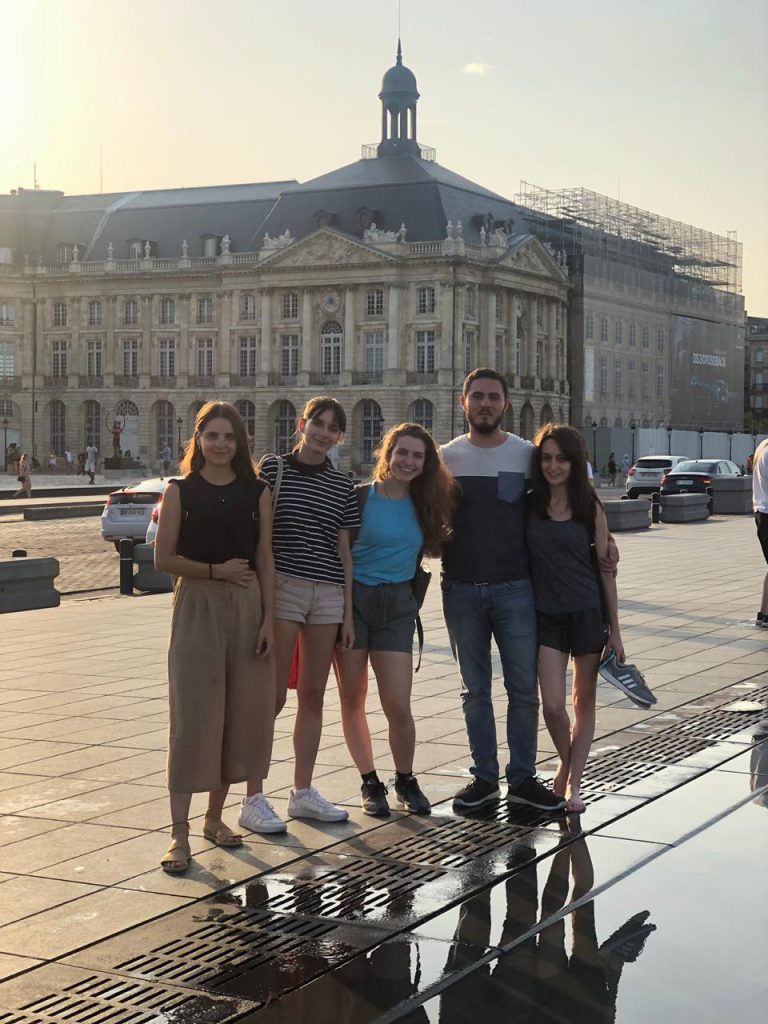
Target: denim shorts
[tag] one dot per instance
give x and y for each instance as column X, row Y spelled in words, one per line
column 573, row 633
column 308, row 601
column 385, row 616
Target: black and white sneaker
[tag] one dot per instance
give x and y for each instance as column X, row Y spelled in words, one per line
column 533, row 793
column 373, row 799
column 478, row 792
column 627, row 678
column 760, row 621
column 410, row 796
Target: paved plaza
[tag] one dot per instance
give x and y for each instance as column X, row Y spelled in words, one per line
column 652, row 904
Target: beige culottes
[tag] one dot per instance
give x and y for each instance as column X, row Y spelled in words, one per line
column 222, row 697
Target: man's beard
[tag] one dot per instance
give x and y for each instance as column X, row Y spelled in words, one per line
column 485, row 426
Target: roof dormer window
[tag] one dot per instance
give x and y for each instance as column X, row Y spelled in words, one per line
column 210, row 245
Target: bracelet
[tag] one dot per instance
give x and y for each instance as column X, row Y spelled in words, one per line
column 210, row 571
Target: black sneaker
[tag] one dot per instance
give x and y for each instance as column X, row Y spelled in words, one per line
column 478, row 792
column 760, row 621
column 534, row 793
column 373, row 799
column 627, row 678
column 627, row 941
column 410, row 796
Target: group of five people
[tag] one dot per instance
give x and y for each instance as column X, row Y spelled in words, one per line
column 289, row 567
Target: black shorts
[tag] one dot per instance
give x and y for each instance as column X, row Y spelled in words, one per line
column 761, row 518
column 573, row 633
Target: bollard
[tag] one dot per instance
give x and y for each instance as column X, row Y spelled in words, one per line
column 655, row 507
column 126, row 566
column 711, row 502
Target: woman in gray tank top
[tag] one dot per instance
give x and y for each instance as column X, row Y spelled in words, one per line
column 576, row 611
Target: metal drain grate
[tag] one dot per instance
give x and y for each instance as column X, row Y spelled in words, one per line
column 355, row 890
column 453, row 843
column 100, row 1000
column 225, row 948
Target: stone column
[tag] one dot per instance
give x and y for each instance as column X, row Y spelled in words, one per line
column 349, row 331
column 393, row 329
column 564, row 333
column 488, row 327
column 551, row 367
column 109, row 357
column 512, row 301
column 305, row 357
column 444, row 354
column 266, row 332
column 221, row 337
column 529, row 358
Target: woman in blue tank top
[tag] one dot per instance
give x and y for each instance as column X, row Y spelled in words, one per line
column 406, row 513
column 566, row 515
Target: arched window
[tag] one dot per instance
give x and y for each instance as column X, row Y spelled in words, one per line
column 526, row 422
column 423, row 413
column 92, row 423
column 285, row 426
column 372, row 423
column 58, row 427
column 331, row 341
column 617, row 422
column 194, row 409
column 165, row 422
column 248, row 411
column 547, row 416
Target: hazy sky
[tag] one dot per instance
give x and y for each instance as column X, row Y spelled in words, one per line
column 665, row 100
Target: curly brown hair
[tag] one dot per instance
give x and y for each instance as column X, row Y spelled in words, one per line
column 242, row 464
column 581, row 493
column 432, row 491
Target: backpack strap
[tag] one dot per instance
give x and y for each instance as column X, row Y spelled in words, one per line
column 591, row 532
column 362, row 493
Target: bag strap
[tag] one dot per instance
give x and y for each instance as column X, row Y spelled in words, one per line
column 420, row 634
column 591, row 532
column 278, row 477
column 362, row 493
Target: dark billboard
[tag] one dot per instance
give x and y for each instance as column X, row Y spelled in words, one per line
column 707, row 374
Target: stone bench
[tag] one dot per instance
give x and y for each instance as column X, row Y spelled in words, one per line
column 732, row 496
column 628, row 514
column 27, row 583
column 63, row 511
column 684, row 508
column 146, row 576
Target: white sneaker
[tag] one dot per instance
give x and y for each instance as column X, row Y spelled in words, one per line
column 258, row 815
column 311, row 804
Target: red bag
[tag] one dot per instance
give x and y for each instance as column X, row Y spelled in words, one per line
column 293, row 678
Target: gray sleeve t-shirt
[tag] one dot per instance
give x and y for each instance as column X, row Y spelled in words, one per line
column 488, row 543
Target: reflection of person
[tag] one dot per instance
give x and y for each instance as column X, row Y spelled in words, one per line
column 760, row 506
column 315, row 510
column 758, row 766
column 406, row 511
column 487, row 595
column 24, row 477
column 215, row 537
column 565, row 515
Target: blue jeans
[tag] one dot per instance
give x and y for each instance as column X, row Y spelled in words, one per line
column 475, row 613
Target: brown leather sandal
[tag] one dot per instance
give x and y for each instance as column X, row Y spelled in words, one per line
column 176, row 859
column 221, row 834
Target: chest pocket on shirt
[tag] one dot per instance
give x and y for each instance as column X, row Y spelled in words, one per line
column 509, row 487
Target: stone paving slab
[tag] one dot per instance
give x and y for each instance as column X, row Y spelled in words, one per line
column 83, row 728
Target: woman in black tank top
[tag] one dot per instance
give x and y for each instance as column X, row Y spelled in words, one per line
column 565, row 515
column 215, row 536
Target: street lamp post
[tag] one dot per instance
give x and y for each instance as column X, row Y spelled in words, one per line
column 701, row 442
column 669, row 434
column 179, row 421
column 5, row 444
column 594, row 447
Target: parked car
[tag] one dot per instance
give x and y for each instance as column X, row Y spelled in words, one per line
column 128, row 510
column 645, row 476
column 695, row 476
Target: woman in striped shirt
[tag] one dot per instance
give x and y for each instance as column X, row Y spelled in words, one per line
column 315, row 510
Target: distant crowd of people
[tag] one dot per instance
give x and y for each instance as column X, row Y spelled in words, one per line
column 286, row 570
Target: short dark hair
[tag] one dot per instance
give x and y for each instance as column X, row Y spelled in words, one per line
column 484, row 373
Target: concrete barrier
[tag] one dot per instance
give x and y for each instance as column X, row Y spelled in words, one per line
column 628, row 514
column 27, row 583
column 146, row 576
column 732, row 496
column 63, row 511
column 684, row 508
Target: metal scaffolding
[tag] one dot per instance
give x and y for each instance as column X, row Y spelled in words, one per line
column 577, row 220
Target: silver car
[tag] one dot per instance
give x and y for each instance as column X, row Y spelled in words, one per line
column 128, row 511
column 645, row 476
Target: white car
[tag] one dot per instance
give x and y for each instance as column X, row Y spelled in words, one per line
column 645, row 476
column 128, row 511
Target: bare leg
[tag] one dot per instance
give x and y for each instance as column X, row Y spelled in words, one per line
column 353, row 688
column 317, row 643
column 213, row 823
column 180, row 807
column 584, row 696
column 394, row 674
column 764, row 602
column 552, row 668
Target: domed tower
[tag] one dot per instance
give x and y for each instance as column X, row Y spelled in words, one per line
column 398, row 96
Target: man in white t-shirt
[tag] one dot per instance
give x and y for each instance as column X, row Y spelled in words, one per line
column 90, row 460
column 760, row 506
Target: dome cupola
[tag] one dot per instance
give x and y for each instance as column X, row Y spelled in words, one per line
column 399, row 96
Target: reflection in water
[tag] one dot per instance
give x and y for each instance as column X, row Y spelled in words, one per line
column 758, row 766
column 539, row 980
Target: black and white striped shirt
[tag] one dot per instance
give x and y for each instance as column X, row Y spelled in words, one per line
column 314, row 503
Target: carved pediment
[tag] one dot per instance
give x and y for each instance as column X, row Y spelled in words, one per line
column 326, row 248
column 533, row 258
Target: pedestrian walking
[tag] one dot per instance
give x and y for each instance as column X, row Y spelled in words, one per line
column 81, row 464
column 91, row 454
column 215, row 537
column 613, row 469
column 406, row 512
column 626, row 465
column 68, row 459
column 165, row 456
column 315, row 510
column 487, row 594
column 24, row 477
column 566, row 518
column 52, row 460
column 760, row 507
